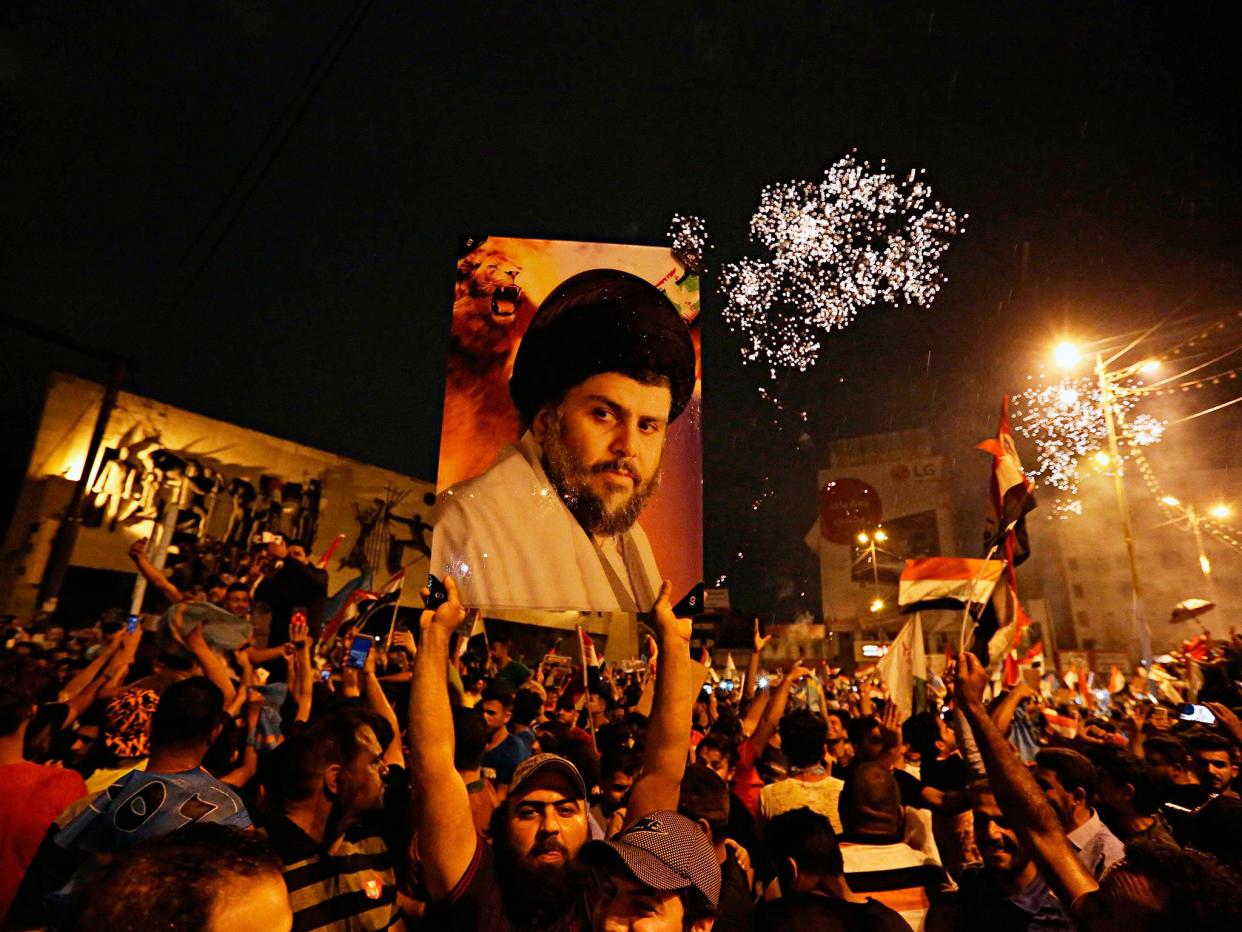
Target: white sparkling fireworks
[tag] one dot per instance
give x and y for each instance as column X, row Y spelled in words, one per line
column 688, row 241
column 858, row 237
column 1065, row 421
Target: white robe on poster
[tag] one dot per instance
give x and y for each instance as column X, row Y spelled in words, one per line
column 510, row 542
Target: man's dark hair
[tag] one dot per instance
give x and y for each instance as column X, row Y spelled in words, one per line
column 1208, row 741
column 172, row 881
column 1202, row 892
column 842, row 716
column 803, row 735
column 714, row 742
column 1124, row 768
column 807, row 837
column 470, row 734
column 187, row 714
column 497, row 692
column 705, row 796
column 620, row 760
column 859, row 728
column 1073, row 770
column 212, row 581
column 293, row 771
column 526, row 707
column 238, row 587
column 20, row 685
column 921, row 732
column 1168, row 747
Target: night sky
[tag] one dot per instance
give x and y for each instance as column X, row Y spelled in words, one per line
column 259, row 203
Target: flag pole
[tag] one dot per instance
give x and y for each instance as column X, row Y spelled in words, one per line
column 961, row 642
column 586, row 682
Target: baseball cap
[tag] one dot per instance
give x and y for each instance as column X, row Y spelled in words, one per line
column 664, row 851
column 542, row 763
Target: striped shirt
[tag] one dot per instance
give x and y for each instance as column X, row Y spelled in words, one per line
column 350, row 887
column 903, row 879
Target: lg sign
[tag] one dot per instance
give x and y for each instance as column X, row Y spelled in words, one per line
column 846, row 507
column 920, row 469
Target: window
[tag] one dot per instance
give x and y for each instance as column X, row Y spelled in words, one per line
column 1084, row 620
column 1078, row 591
column 1088, row 643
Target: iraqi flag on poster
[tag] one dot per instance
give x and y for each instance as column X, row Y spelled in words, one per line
column 589, row 657
column 947, row 582
column 904, row 668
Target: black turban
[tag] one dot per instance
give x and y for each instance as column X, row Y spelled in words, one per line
column 602, row 320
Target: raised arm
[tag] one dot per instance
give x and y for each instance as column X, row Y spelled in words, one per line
column 378, row 702
column 151, row 573
column 214, row 667
column 446, row 835
column 1019, row 796
column 303, row 674
column 776, row 708
column 658, row 785
column 87, row 674
column 752, row 668
column 1002, row 715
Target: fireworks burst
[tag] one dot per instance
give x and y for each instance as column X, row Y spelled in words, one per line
column 1065, row 421
column 856, row 238
column 688, row 238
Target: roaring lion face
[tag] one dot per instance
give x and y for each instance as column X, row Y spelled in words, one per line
column 487, row 302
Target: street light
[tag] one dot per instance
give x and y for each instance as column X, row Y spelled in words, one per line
column 878, row 536
column 1067, row 355
column 1220, row 512
column 1194, row 519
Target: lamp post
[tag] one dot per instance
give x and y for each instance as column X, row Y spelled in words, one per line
column 1107, row 381
column 1067, row 357
column 1194, row 519
column 870, row 540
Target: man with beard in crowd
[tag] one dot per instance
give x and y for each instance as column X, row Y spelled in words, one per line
column 1068, row 780
column 605, row 366
column 528, row 876
column 1156, row 887
column 1007, row 891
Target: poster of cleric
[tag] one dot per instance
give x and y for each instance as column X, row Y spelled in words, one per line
column 570, row 471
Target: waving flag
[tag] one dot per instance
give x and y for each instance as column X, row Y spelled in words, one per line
column 904, row 668
column 1013, row 494
column 947, row 582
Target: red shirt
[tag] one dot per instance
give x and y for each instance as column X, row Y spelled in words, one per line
column 31, row 796
column 747, row 784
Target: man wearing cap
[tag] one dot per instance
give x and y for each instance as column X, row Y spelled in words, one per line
column 605, row 366
column 662, row 869
column 528, row 875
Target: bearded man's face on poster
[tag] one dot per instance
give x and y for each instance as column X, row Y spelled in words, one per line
column 603, row 446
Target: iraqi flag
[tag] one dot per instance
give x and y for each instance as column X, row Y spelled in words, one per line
column 904, row 668
column 1064, row 726
column 376, row 615
column 947, row 582
column 1013, row 493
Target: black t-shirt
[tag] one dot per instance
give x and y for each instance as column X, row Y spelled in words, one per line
column 736, row 902
column 798, row 911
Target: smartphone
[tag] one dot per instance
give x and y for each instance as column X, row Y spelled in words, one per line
column 762, row 682
column 727, row 686
column 359, row 650
column 132, row 625
column 437, row 595
column 1197, row 713
column 326, row 673
column 691, row 604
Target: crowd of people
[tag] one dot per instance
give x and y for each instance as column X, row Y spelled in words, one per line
column 157, row 779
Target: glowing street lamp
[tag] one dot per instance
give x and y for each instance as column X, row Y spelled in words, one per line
column 877, row 606
column 1067, row 355
column 1220, row 512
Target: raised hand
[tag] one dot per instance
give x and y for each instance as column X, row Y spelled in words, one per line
column 666, row 621
column 760, row 641
column 969, row 680
column 405, row 639
column 138, row 549
column 298, row 630
column 447, row 616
